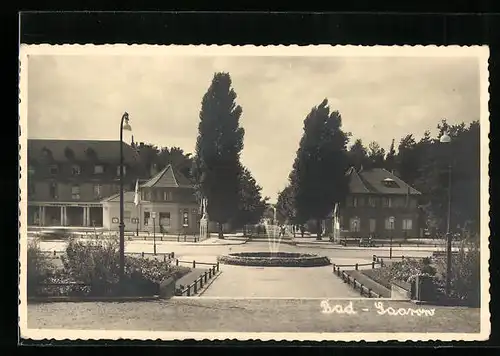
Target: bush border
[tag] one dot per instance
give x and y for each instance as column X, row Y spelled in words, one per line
column 307, row 260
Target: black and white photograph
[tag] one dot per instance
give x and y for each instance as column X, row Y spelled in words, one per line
column 302, row 193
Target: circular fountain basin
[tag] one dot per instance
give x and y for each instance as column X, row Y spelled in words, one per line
column 274, row 259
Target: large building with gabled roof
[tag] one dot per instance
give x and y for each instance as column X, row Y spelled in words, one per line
column 67, row 179
column 167, row 203
column 379, row 204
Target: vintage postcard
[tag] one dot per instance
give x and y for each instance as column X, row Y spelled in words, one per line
column 270, row 193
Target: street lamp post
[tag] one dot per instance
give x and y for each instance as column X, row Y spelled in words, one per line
column 391, row 225
column 153, row 216
column 124, row 125
column 445, row 138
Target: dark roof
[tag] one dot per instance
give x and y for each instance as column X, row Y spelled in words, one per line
column 168, row 178
column 128, row 197
column 82, row 150
column 372, row 181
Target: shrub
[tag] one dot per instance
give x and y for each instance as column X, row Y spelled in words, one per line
column 465, row 273
column 38, row 267
column 406, row 270
column 94, row 262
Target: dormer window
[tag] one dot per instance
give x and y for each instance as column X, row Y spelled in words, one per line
column 390, row 183
column 46, row 152
column 90, row 153
column 76, row 170
column 31, row 170
column 53, row 169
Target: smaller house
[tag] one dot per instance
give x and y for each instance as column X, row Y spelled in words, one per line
column 167, row 204
column 378, row 204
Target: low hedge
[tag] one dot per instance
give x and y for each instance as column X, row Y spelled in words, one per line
column 279, row 259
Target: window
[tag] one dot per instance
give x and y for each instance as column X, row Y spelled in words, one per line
column 99, row 169
column 53, row 169
column 75, row 170
column 407, row 224
column 127, row 215
column 389, row 223
column 31, row 170
column 185, row 219
column 53, row 190
column 146, row 218
column 372, row 201
column 390, row 183
column 118, row 170
column 354, row 201
column 361, row 201
column 167, row 196
column 165, row 219
column 354, row 224
column 75, row 192
column 373, row 225
column 387, row 202
column 97, row 190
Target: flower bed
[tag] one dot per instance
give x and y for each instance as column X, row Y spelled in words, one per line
column 91, row 269
column 278, row 259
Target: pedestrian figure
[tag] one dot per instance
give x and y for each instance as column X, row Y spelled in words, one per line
column 282, row 231
column 302, row 231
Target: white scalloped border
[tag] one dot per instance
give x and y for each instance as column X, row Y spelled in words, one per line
column 481, row 52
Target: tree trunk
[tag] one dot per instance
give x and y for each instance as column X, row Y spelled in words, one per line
column 221, row 231
column 318, row 229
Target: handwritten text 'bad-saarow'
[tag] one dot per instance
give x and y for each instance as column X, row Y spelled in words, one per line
column 379, row 306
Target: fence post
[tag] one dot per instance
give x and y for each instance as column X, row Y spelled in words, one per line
column 333, row 267
column 194, row 264
column 374, row 258
column 195, row 286
column 356, row 266
column 217, row 266
column 164, row 258
column 205, row 276
column 373, row 265
column 189, row 290
column 184, row 238
column 178, row 238
column 381, row 262
column 214, row 270
column 54, row 253
column 177, row 262
column 210, row 273
column 142, row 254
column 369, row 293
column 402, row 257
column 201, row 281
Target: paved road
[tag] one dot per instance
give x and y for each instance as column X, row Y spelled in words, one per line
column 278, row 282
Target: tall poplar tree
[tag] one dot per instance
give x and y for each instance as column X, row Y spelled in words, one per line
column 216, row 166
column 320, row 166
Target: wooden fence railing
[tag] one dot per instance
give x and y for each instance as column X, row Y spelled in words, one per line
column 357, row 285
column 198, row 284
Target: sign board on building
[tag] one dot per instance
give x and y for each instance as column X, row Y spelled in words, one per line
column 115, row 220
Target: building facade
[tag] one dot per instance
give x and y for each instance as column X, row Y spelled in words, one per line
column 167, row 203
column 67, row 179
column 379, row 204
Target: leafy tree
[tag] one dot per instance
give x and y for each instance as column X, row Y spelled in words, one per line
column 358, row 155
column 405, row 159
column 390, row 158
column 285, row 207
column 216, row 168
column 251, row 204
column 376, row 155
column 152, row 156
column 318, row 176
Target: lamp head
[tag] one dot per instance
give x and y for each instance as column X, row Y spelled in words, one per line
column 445, row 138
column 126, row 125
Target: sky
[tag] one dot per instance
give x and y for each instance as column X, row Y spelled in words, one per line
column 379, row 99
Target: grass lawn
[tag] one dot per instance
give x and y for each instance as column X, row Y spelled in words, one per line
column 247, row 315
